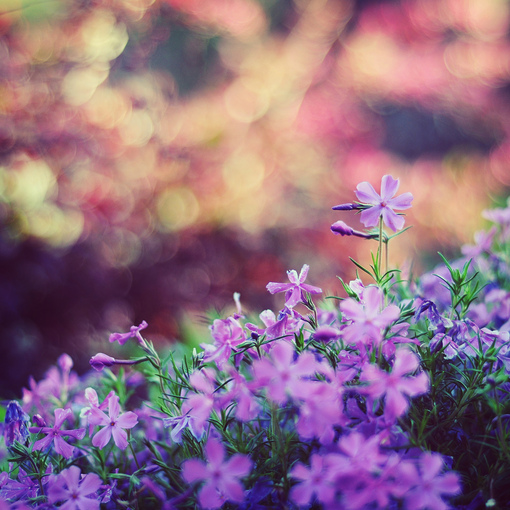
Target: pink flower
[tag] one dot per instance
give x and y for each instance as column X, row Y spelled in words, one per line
column 113, row 425
column 134, row 332
column 369, row 319
column 221, row 477
column 397, row 384
column 227, row 334
column 68, row 486
column 56, row 435
column 296, row 288
column 384, row 204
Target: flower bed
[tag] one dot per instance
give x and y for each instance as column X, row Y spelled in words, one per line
column 394, row 396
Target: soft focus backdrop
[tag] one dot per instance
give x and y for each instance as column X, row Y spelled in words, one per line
column 158, row 155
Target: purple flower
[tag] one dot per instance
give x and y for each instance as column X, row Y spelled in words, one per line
column 78, row 493
column 398, row 383
column 429, row 484
column 318, row 481
column 197, row 408
column 56, row 435
column 384, row 204
column 282, row 376
column 113, row 425
column 16, row 424
column 221, row 477
column 93, row 400
column 296, row 288
column 22, row 488
column 134, row 331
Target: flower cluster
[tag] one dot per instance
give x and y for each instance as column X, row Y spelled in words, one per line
column 394, row 397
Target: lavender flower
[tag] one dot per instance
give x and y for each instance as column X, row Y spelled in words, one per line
column 383, row 205
column 397, row 383
column 221, row 477
column 114, row 424
column 77, row 492
column 134, row 332
column 56, row 435
column 294, row 291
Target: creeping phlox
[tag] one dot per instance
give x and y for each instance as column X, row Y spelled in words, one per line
column 393, row 395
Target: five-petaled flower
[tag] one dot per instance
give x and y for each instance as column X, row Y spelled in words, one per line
column 383, row 205
column 294, row 291
column 77, row 492
column 134, row 332
column 113, row 425
column 398, row 383
column 56, row 435
column 221, row 477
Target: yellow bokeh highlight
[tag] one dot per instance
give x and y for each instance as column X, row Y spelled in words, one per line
column 243, row 173
column 80, row 84
column 103, row 37
column 30, row 183
column 177, row 208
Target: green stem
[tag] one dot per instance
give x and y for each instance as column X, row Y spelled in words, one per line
column 132, row 450
column 379, row 250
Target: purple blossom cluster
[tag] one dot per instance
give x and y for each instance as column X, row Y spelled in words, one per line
column 393, row 397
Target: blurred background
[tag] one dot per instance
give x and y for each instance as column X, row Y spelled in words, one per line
column 157, row 156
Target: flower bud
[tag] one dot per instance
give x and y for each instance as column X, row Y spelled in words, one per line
column 101, row 360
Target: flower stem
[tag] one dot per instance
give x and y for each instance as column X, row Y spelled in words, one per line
column 379, row 250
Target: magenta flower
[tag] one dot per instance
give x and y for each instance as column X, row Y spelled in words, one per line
column 369, row 319
column 56, row 435
column 113, row 425
column 221, row 477
column 429, row 484
column 384, row 204
column 397, row 384
column 296, row 288
column 78, row 493
column 134, row 332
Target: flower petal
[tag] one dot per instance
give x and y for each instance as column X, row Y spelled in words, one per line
column 370, row 217
column 239, row 465
column 392, row 219
column 193, row 470
column 214, row 452
column 113, row 407
column 303, row 273
column 274, row 287
column 63, row 448
column 389, row 187
column 89, row 484
column 401, row 202
column 366, row 193
column 102, row 437
column 127, row 420
column 119, row 437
